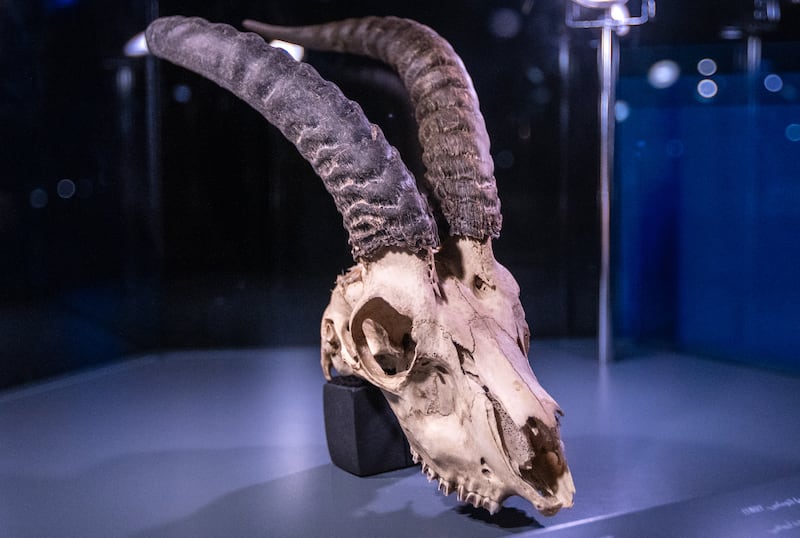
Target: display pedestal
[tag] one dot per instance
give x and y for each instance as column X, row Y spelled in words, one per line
column 364, row 437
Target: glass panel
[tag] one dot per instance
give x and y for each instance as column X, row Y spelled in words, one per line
column 708, row 200
column 77, row 242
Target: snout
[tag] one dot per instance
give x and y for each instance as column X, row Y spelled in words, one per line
column 526, row 418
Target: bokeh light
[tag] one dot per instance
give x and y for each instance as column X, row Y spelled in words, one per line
column 504, row 159
column 773, row 83
column 706, row 67
column 793, row 132
column 505, row 23
column 181, row 93
column 38, row 198
column 622, row 110
column 707, row 88
column 65, row 189
column 663, row 74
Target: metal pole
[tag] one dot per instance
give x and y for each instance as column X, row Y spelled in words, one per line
column 607, row 66
column 615, row 20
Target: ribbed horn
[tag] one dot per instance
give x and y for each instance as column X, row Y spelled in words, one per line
column 372, row 188
column 452, row 131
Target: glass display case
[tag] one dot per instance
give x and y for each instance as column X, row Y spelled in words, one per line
column 707, row 180
column 166, row 255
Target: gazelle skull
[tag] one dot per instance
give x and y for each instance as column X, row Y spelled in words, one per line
column 435, row 324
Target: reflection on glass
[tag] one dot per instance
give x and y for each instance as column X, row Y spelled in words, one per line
column 622, row 110
column 773, row 83
column 181, row 93
column 707, row 88
column 65, row 189
column 663, row 74
column 38, row 198
column 706, row 67
column 505, row 23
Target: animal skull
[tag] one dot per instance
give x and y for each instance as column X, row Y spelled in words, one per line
column 435, row 324
column 449, row 351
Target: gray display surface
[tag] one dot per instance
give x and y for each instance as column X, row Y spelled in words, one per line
column 232, row 443
column 771, row 509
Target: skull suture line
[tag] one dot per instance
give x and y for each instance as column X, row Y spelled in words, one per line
column 435, row 324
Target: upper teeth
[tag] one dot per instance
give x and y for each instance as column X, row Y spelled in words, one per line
column 447, row 487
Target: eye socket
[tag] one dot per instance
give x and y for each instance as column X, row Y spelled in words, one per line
column 382, row 336
column 390, row 356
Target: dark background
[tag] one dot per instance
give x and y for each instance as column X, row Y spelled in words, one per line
column 143, row 208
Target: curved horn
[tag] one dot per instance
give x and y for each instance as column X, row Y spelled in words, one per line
column 373, row 190
column 452, row 132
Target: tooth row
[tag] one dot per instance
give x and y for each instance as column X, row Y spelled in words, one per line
column 429, row 472
column 446, row 487
column 477, row 500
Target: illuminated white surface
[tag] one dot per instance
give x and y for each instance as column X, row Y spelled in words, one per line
column 598, row 4
column 619, row 13
column 295, row 51
column 136, row 46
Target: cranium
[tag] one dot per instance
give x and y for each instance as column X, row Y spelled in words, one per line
column 435, row 324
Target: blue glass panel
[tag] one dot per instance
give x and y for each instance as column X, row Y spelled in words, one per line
column 708, row 217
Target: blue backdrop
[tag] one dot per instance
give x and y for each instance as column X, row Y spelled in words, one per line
column 707, row 198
